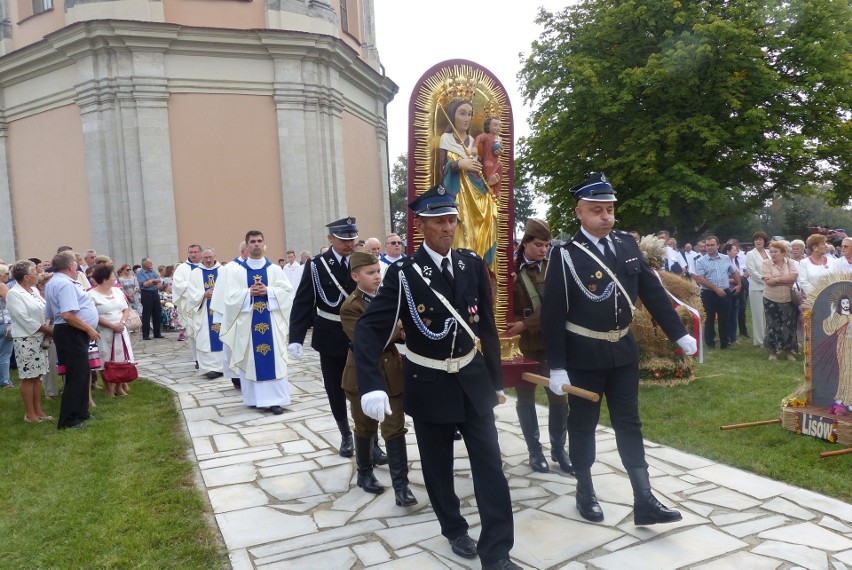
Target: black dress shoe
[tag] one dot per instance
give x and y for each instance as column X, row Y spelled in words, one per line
column 502, row 564
column 160, row 336
column 211, row 375
column 538, row 463
column 647, row 510
column 464, row 546
column 276, row 410
column 89, row 417
column 562, row 459
column 347, row 447
column 589, row 507
column 81, row 425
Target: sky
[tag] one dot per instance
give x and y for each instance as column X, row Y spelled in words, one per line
column 413, row 36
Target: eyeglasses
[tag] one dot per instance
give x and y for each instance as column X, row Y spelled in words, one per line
column 394, row 243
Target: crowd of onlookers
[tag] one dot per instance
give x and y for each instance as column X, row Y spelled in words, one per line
column 771, row 276
column 26, row 331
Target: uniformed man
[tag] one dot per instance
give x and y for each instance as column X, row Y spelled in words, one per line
column 367, row 275
column 530, row 268
column 325, row 284
column 443, row 297
column 591, row 288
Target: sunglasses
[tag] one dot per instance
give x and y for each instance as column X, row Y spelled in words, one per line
column 394, row 243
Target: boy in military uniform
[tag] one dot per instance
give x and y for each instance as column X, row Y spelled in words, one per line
column 452, row 373
column 366, row 272
column 590, row 292
column 530, row 269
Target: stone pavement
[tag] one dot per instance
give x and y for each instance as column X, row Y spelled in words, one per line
column 283, row 498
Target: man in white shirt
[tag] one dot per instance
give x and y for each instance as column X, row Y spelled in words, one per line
column 844, row 262
column 292, row 270
column 393, row 252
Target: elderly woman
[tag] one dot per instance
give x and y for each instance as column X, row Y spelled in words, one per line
column 5, row 332
column 29, row 328
column 754, row 263
column 815, row 266
column 797, row 250
column 113, row 313
column 51, row 379
column 779, row 274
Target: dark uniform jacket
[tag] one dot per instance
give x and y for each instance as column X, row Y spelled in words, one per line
column 328, row 337
column 433, row 395
column 522, row 307
column 390, row 362
column 564, row 300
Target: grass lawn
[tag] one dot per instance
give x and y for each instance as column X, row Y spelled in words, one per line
column 119, row 494
column 736, row 386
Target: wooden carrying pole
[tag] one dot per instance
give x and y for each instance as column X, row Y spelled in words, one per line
column 567, row 388
column 833, row 453
column 752, row 424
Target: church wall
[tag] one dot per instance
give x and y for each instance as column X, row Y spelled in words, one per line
column 365, row 190
column 234, row 14
column 226, row 171
column 27, row 28
column 48, row 183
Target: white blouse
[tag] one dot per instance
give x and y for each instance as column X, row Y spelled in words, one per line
column 27, row 311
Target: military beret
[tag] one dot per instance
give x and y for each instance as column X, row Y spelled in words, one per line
column 360, row 259
column 538, row 229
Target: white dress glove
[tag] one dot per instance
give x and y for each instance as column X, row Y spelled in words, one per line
column 557, row 379
column 688, row 344
column 295, row 350
column 376, row 404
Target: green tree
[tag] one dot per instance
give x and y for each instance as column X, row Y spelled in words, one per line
column 399, row 195
column 524, row 196
column 698, row 111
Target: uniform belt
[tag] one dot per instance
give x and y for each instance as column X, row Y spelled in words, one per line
column 611, row 336
column 451, row 365
column 329, row 316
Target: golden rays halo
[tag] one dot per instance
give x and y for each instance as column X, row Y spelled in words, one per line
column 429, row 122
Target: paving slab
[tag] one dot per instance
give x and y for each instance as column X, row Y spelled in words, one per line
column 282, row 497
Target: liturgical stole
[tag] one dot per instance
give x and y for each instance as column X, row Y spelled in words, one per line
column 261, row 325
column 210, row 276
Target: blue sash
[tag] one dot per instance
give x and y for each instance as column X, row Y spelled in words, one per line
column 261, row 325
column 209, row 277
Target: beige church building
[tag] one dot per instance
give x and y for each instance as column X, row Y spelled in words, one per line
column 137, row 127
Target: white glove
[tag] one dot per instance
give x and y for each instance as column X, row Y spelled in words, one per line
column 376, row 404
column 557, row 379
column 295, row 350
column 688, row 344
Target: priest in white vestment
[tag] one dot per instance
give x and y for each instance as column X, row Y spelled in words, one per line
column 180, row 280
column 255, row 320
column 199, row 291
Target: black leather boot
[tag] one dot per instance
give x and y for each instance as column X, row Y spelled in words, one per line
column 398, row 467
column 379, row 457
column 646, row 508
column 346, row 449
column 557, row 424
column 364, row 461
column 529, row 425
column 587, row 503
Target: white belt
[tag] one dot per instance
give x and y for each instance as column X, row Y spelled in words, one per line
column 611, row 336
column 451, row 365
column 329, row 316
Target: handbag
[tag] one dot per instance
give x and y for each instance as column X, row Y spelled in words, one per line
column 119, row 372
column 134, row 321
column 94, row 355
column 795, row 295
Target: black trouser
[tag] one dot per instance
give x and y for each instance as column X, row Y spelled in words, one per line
column 151, row 308
column 332, row 375
column 714, row 306
column 621, row 387
column 741, row 313
column 435, row 442
column 72, row 348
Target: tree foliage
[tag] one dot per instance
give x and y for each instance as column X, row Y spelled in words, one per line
column 698, row 111
column 399, row 195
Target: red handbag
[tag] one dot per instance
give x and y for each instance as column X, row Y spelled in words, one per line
column 119, row 372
